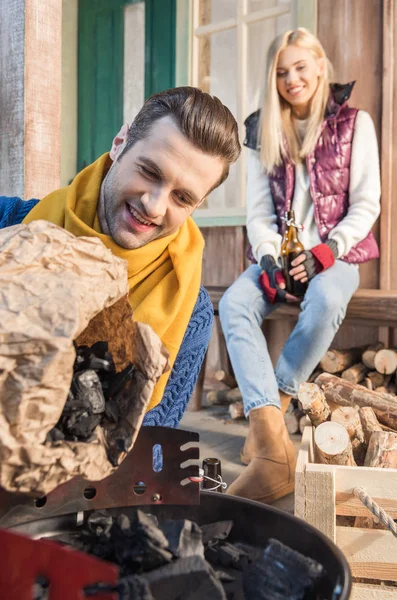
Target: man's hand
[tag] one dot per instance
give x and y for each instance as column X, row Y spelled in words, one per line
column 272, row 282
column 314, row 261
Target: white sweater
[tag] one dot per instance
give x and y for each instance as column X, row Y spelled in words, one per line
column 364, row 199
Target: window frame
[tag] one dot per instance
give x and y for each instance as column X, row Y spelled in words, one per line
column 304, row 13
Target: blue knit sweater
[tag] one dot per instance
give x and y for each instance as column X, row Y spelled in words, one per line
column 191, row 353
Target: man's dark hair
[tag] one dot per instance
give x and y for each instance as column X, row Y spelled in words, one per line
column 203, row 119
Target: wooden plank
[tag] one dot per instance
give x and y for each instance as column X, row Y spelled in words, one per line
column 346, row 20
column 223, row 259
column 320, row 501
column 386, row 223
column 12, row 25
column 378, row 483
column 216, row 358
column 371, row 553
column 204, row 47
column 366, row 305
column 349, row 505
column 304, row 457
column 372, row 592
column 43, row 77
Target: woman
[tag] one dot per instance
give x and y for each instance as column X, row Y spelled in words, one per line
column 310, row 152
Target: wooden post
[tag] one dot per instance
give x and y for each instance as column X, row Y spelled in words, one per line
column 30, row 99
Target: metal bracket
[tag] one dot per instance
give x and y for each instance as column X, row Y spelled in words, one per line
column 134, row 483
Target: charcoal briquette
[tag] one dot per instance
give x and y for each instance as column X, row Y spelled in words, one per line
column 112, row 410
column 81, row 426
column 133, row 587
column 216, row 531
column 184, row 537
column 87, row 389
column 55, row 435
column 227, row 555
column 288, row 574
column 100, row 523
column 116, row 383
column 193, row 575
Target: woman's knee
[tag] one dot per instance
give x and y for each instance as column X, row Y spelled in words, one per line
column 330, row 304
column 240, row 303
column 230, row 303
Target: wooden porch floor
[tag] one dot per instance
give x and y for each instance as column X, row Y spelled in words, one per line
column 221, row 437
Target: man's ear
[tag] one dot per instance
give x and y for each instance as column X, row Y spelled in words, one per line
column 119, row 142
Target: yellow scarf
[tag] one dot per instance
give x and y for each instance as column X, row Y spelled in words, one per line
column 164, row 276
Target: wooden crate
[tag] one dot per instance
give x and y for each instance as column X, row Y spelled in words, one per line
column 323, row 492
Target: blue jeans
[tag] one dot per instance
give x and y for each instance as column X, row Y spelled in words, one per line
column 242, row 310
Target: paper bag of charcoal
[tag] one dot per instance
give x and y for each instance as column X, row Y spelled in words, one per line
column 76, row 372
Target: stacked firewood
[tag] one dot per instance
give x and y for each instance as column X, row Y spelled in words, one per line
column 372, row 366
column 231, row 397
column 355, row 421
column 354, row 426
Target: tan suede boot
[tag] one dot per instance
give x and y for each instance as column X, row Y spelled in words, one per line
column 249, row 447
column 271, row 472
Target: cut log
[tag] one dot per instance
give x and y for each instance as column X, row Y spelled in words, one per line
column 223, row 396
column 336, row 361
column 314, row 375
column 356, row 373
column 225, row 378
column 236, row 410
column 345, row 393
column 368, row 384
column 368, row 356
column 386, row 361
column 291, row 421
column 376, row 378
column 382, row 450
column 333, row 444
column 349, row 417
column 381, row 389
column 314, row 403
column 368, row 523
column 369, row 422
column 384, row 388
column 303, row 422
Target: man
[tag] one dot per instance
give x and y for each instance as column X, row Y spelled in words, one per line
column 138, row 200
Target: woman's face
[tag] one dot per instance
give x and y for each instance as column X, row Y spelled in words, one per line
column 297, row 78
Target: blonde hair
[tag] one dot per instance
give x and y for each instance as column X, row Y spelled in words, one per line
column 278, row 135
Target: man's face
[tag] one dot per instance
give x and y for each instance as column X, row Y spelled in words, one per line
column 155, row 186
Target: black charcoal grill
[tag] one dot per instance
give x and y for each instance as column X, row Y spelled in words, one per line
column 134, row 484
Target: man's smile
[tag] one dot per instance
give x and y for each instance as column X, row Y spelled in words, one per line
column 137, row 222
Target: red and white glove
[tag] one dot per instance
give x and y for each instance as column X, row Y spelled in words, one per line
column 320, row 258
column 270, row 279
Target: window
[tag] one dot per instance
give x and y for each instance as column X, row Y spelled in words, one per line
column 229, row 45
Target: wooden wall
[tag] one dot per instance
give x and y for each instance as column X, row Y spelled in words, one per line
column 358, row 36
column 353, row 40
column 30, row 96
column 12, row 24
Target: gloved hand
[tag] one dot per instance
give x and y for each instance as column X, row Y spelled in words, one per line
column 270, row 279
column 316, row 260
